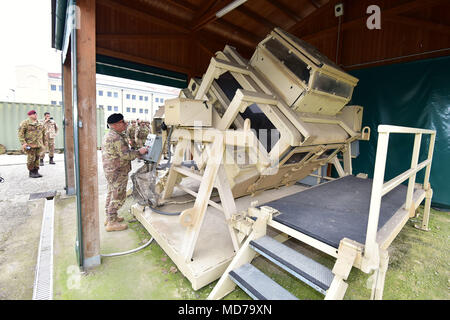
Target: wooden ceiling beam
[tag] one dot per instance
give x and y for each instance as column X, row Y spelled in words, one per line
column 256, row 17
column 314, row 3
column 245, row 36
column 132, row 37
column 219, row 41
column 317, row 13
column 142, row 60
column 283, row 8
column 183, row 5
column 207, row 13
column 144, row 15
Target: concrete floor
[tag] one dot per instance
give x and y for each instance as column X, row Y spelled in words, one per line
column 21, row 219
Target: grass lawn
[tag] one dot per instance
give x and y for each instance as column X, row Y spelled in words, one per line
column 418, row 267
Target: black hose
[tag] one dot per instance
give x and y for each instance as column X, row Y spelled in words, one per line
column 165, row 213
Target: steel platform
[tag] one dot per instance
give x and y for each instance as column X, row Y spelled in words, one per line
column 335, row 210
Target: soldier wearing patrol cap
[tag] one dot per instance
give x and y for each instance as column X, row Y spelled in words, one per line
column 32, row 138
column 51, row 130
column 131, row 130
column 117, row 156
column 141, row 134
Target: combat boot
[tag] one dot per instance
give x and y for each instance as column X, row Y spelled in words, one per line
column 115, row 226
column 36, row 171
column 41, row 162
column 118, row 219
column 34, row 174
column 51, row 161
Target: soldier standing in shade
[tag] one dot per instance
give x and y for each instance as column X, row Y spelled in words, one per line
column 131, row 131
column 32, row 138
column 51, row 130
column 141, row 134
column 117, row 157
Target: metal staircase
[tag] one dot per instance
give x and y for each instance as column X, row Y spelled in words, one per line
column 260, row 287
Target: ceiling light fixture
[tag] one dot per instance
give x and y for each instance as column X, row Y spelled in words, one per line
column 229, row 7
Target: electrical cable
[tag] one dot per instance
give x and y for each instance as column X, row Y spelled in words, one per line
column 164, row 212
column 127, row 252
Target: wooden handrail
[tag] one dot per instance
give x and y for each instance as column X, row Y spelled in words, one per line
column 379, row 188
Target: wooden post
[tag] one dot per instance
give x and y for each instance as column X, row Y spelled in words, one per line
column 412, row 179
column 87, row 132
column 371, row 248
column 68, row 125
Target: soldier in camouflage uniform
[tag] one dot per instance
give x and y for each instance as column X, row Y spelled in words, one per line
column 131, row 132
column 51, row 130
column 32, row 138
column 141, row 134
column 117, row 157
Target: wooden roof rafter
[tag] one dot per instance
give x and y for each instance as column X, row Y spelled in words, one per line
column 255, row 17
column 178, row 26
column 286, row 10
column 143, row 36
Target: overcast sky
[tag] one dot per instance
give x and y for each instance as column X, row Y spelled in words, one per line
column 25, row 38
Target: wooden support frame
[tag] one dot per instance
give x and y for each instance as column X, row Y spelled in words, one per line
column 214, row 176
column 85, row 121
column 68, row 125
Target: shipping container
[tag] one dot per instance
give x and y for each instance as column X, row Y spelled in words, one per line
column 12, row 114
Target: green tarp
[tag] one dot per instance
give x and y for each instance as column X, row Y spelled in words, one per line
column 413, row 94
column 139, row 72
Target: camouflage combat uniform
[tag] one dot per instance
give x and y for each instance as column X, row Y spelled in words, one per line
column 131, row 134
column 51, row 129
column 141, row 135
column 32, row 133
column 117, row 157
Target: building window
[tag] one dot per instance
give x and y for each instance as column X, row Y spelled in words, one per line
column 109, row 108
column 60, row 88
column 141, row 98
column 100, row 106
column 53, row 87
column 156, row 99
column 133, row 97
column 116, row 95
column 134, row 110
column 100, row 93
column 146, row 111
column 128, row 109
column 141, row 110
column 128, row 96
column 145, row 98
column 161, row 100
column 53, row 102
column 109, row 93
column 116, row 108
column 60, row 103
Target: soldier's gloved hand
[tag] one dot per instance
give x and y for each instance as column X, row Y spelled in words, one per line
column 143, row 150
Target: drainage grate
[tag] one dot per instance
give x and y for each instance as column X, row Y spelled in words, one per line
column 43, row 281
column 48, row 195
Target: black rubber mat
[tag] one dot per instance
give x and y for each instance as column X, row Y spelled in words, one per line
column 335, row 210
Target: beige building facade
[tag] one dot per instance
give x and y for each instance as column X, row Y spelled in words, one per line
column 134, row 99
